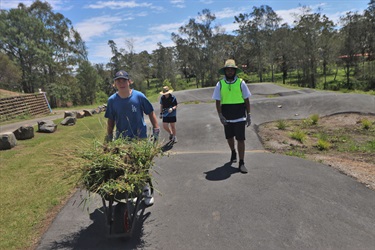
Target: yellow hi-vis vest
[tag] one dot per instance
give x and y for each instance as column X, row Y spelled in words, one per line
column 231, row 93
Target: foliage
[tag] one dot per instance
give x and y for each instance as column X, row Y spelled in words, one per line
column 323, row 144
column 366, row 124
column 120, row 166
column 298, row 135
column 281, row 124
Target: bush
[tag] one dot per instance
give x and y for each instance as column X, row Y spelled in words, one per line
column 323, row 145
column 281, row 124
column 118, row 167
column 298, row 135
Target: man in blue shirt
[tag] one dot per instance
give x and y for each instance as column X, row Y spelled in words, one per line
column 125, row 110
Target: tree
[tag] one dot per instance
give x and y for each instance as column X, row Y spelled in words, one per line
column 199, row 38
column 88, row 82
column 10, row 74
column 256, row 29
column 43, row 44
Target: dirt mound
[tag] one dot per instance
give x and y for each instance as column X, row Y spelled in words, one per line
column 6, row 93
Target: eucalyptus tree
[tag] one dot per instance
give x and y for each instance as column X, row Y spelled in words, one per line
column 350, row 34
column 257, row 30
column 88, row 82
column 369, row 15
column 10, row 74
column 313, row 32
column 198, row 36
column 284, row 50
column 42, row 43
column 164, row 64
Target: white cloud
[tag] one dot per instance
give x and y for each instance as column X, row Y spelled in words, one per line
column 97, row 26
column 168, row 28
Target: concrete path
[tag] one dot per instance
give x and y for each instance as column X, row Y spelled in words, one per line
column 205, row 203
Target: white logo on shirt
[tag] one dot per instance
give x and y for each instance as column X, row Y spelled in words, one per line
column 134, row 109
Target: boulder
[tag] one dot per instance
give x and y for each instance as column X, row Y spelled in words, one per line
column 70, row 114
column 46, row 126
column 87, row 112
column 7, row 141
column 80, row 114
column 24, row 132
column 69, row 121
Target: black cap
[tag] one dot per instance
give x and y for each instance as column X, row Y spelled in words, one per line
column 121, row 74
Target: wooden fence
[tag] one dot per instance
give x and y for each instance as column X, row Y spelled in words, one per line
column 23, row 105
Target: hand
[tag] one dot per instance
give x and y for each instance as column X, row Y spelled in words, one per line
column 108, row 138
column 170, row 110
column 248, row 120
column 222, row 119
column 161, row 116
column 155, row 134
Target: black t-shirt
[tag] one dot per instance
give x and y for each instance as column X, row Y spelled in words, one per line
column 169, row 102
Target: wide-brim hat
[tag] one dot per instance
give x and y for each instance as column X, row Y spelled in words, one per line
column 166, row 90
column 121, row 74
column 230, row 63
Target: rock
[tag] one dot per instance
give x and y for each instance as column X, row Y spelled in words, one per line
column 7, row 141
column 24, row 132
column 69, row 121
column 46, row 126
column 80, row 114
column 70, row 114
column 87, row 112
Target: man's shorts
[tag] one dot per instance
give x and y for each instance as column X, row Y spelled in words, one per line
column 170, row 119
column 235, row 129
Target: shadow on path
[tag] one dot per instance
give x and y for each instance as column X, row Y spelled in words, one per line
column 221, row 173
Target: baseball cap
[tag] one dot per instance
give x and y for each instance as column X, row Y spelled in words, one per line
column 121, row 74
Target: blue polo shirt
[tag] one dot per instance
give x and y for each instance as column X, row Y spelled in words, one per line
column 128, row 114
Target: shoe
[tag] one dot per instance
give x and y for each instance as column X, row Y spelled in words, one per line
column 174, row 139
column 170, row 137
column 233, row 158
column 242, row 167
column 147, row 196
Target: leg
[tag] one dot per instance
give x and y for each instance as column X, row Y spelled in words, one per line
column 231, row 143
column 166, row 127
column 241, row 149
column 173, row 128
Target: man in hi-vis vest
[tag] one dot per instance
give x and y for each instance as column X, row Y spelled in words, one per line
column 233, row 106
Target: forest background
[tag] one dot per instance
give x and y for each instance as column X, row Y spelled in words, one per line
column 41, row 50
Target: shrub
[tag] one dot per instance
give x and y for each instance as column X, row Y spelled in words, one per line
column 323, row 145
column 118, row 167
column 314, row 119
column 298, row 135
column 281, row 124
column 366, row 124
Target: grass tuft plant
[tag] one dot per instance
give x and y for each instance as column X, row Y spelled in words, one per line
column 298, row 135
column 366, row 124
column 281, row 124
column 323, row 145
column 120, row 166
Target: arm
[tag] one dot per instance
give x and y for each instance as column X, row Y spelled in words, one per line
column 153, row 120
column 218, row 106
column 110, row 126
column 247, row 104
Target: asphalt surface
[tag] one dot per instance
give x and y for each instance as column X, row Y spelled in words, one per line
column 203, row 202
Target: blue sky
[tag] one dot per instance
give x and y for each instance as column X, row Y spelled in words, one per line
column 144, row 23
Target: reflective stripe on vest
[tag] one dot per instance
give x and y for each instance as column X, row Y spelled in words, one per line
column 231, row 93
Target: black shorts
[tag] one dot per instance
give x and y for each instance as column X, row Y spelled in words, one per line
column 235, row 129
column 170, row 119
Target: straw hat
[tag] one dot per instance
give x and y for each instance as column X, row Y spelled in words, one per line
column 230, row 63
column 166, row 90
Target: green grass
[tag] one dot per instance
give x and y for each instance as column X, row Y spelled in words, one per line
column 37, row 175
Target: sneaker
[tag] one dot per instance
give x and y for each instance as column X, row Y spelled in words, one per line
column 147, row 196
column 233, row 158
column 174, row 139
column 170, row 137
column 242, row 167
